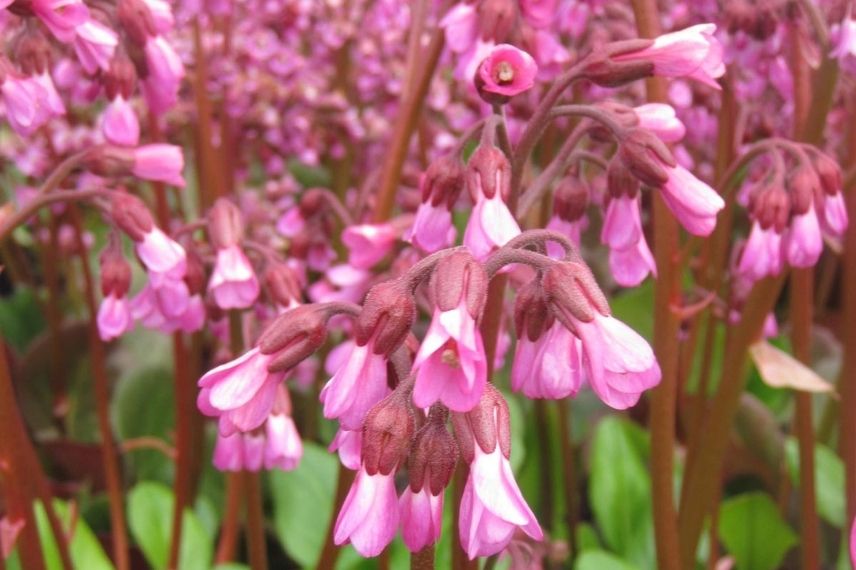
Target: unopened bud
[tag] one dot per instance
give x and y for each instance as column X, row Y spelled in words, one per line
column 602, row 69
column 646, row 156
column 136, row 20
column 194, row 275
column 387, row 433
column 804, row 185
column 225, row 224
column 433, row 455
column 570, row 289
column 496, row 19
column 487, row 425
column 121, row 77
column 458, row 277
column 828, row 172
column 532, row 316
column 311, row 202
column 294, row 336
column 443, row 181
column 31, row 51
column 281, row 284
column 115, row 269
column 620, row 182
column 110, row 161
column 771, row 206
column 131, row 215
column 570, row 199
column 387, row 315
column 488, row 172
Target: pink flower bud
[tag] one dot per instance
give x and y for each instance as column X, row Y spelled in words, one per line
column 433, row 456
column 505, row 72
column 388, row 313
column 225, row 224
column 387, row 433
column 119, row 123
column 282, row 285
column 293, row 337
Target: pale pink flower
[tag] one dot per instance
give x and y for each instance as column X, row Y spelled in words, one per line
column 368, row 243
column 630, row 259
column 549, row 367
column 491, row 225
column 539, row 13
column 349, row 446
column 162, row 16
column 23, row 99
column 369, row 515
column 421, row 517
column 120, row 124
column 94, row 44
column 693, row 202
column 52, row 102
column 803, row 243
column 461, row 26
column 662, row 120
column 162, row 254
column 356, row 386
column 833, row 216
column 233, row 283
column 283, row 446
column 114, row 317
column 61, row 17
column 507, row 71
column 432, row 228
column 762, row 254
column 160, row 162
column 844, row 34
column 160, row 86
column 291, row 223
column 239, row 452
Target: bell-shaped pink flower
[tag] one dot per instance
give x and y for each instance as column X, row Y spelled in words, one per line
column 507, row 71
column 369, row 515
column 803, row 242
column 451, row 365
column 693, row 202
column 159, row 162
column 492, row 506
column 491, row 225
column 834, row 217
column 23, row 99
column 762, row 254
column 233, row 283
column 368, row 243
column 61, row 17
column 662, row 120
column 432, row 227
column 630, row 259
column 239, row 452
column 52, row 102
column 461, row 26
column 693, row 52
column 357, row 386
column 160, row 86
column 421, row 517
column 94, row 44
column 283, row 448
column 120, row 124
column 349, row 446
column 114, row 317
column 549, row 367
column 162, row 254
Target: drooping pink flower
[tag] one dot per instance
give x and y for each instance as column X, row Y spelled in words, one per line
column 833, row 217
column 491, row 225
column 161, row 254
column 369, row 515
column 349, row 446
column 233, row 283
column 802, row 243
column 357, row 386
column 421, row 517
column 762, row 254
column 165, row 72
column 693, row 202
column 239, row 452
column 693, row 52
column 283, row 446
column 23, row 99
column 432, row 228
column 662, row 120
column 368, row 243
column 120, row 124
column 160, row 162
column 114, row 317
column 630, row 258
column 94, row 44
column 549, row 367
column 61, row 17
column 507, row 71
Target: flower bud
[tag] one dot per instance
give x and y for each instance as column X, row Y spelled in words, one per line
column 433, row 455
column 771, row 206
column 443, row 181
column 31, row 51
column 804, row 185
column 195, row 272
column 532, row 316
column 570, row 199
column 311, row 202
column 570, row 288
column 620, row 181
column 294, row 335
column 605, row 71
column 120, row 78
column 487, row 425
column 621, row 114
column 387, row 433
column 131, row 215
column 110, row 161
column 136, row 20
column 497, row 18
column 645, row 155
column 281, row 284
column 387, row 315
column 115, row 269
column 486, row 166
column 828, row 172
column 459, row 276
column 225, row 224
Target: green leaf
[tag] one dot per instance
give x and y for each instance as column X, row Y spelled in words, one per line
column 620, row 491
column 829, row 480
column 600, row 560
column 587, row 538
column 635, row 307
column 753, row 532
column 20, row 317
column 303, row 503
column 150, row 517
column 85, row 550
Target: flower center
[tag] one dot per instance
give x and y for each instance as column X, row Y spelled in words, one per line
column 504, row 73
column 449, row 356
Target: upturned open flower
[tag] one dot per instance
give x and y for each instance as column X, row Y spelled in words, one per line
column 451, row 365
column 491, row 224
column 506, row 71
column 619, row 364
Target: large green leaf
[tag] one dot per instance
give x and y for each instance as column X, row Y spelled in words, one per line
column 620, row 491
column 303, row 503
column 829, row 480
column 150, row 517
column 85, row 550
column 635, row 307
column 753, row 532
column 600, row 560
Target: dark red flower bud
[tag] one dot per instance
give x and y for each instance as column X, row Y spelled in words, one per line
column 570, row 199
column 433, row 455
column 32, row 51
column 646, row 156
column 496, row 19
column 771, row 206
column 387, row 433
column 121, row 78
column 387, row 315
column 487, row 425
column 488, row 172
column 294, row 335
column 605, row 71
column 131, row 215
column 115, row 269
column 311, row 202
column 828, row 172
column 620, row 181
column 194, row 275
column 804, row 185
column 443, row 181
column 136, row 19
column 225, row 224
column 570, row 289
column 281, row 284
column 532, row 316
column 459, row 276
column 110, row 161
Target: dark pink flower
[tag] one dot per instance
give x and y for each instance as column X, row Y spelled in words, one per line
column 507, row 71
column 762, row 254
column 160, row 162
column 119, row 123
column 803, row 242
column 421, row 517
column 369, row 515
column 114, row 317
column 61, row 17
column 233, row 283
column 368, row 243
column 549, row 367
column 630, row 259
column 239, row 452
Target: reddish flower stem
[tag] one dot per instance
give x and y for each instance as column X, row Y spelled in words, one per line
column 255, row 521
column 423, row 560
column 227, row 545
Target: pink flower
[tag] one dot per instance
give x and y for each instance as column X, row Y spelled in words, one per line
column 61, row 17
column 349, row 445
column 291, row 223
column 693, row 52
column 538, row 13
column 762, row 255
column 421, row 517
column 368, row 243
column 160, row 162
column 242, row 392
column 662, row 120
column 357, row 386
column 572, row 230
column 844, row 34
column 52, row 102
column 283, row 448
column 160, row 86
column 369, row 515
column 239, row 452
column 114, row 317
column 432, row 227
column 162, row 254
column 834, row 217
column 233, row 283
column 507, row 71
column 491, row 225
column 94, row 44
column 549, row 367
column 803, row 243
column 23, row 99
column 461, row 26
column 630, row 259
column 119, row 123
column 693, row 202
column 451, row 365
